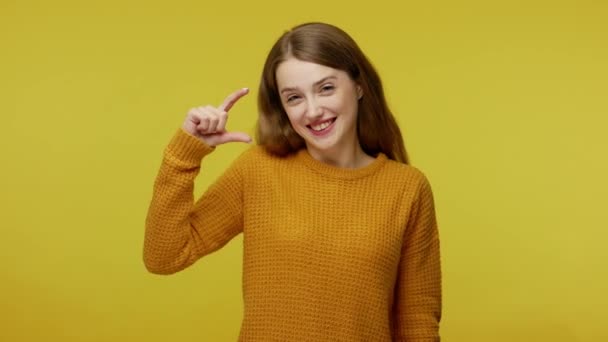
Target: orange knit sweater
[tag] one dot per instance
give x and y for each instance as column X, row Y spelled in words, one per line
column 330, row 254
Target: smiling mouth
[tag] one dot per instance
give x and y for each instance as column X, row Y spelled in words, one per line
column 321, row 126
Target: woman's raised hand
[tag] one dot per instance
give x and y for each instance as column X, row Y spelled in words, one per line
column 208, row 123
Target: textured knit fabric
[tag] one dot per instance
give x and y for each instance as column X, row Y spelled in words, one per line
column 330, row 254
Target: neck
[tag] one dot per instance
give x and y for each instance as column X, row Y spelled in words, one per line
column 351, row 158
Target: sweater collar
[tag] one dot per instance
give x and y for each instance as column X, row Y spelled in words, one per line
column 325, row 169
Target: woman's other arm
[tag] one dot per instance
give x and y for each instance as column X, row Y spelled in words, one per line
column 417, row 306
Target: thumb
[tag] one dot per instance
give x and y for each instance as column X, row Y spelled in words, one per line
column 236, row 137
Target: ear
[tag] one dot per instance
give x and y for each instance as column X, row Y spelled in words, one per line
column 359, row 92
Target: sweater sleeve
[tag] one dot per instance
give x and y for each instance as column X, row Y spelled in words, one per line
column 178, row 230
column 417, row 306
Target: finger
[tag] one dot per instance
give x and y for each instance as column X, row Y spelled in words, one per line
column 221, row 126
column 232, row 98
column 236, row 137
column 203, row 125
column 208, row 116
column 194, row 116
column 218, row 123
column 214, row 120
column 204, row 115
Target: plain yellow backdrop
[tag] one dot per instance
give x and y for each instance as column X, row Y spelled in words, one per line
column 503, row 105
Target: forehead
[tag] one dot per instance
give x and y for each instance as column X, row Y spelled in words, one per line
column 294, row 73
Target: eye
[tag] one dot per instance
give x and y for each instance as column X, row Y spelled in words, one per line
column 292, row 98
column 327, row 88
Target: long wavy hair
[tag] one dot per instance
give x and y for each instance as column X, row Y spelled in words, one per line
column 330, row 46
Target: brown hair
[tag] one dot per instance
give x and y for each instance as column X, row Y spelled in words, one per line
column 327, row 45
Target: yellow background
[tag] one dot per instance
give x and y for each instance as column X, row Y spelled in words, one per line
column 502, row 104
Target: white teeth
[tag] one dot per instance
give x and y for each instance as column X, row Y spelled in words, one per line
column 322, row 126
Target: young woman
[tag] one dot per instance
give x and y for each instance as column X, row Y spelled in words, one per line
column 339, row 232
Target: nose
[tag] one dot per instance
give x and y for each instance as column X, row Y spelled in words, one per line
column 314, row 110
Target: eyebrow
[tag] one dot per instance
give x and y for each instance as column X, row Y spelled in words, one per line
column 314, row 84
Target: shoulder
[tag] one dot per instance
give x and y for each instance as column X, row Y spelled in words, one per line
column 406, row 173
column 412, row 181
column 414, row 185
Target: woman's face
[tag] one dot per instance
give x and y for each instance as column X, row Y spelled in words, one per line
column 321, row 103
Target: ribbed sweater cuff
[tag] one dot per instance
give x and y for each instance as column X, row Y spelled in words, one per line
column 187, row 149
